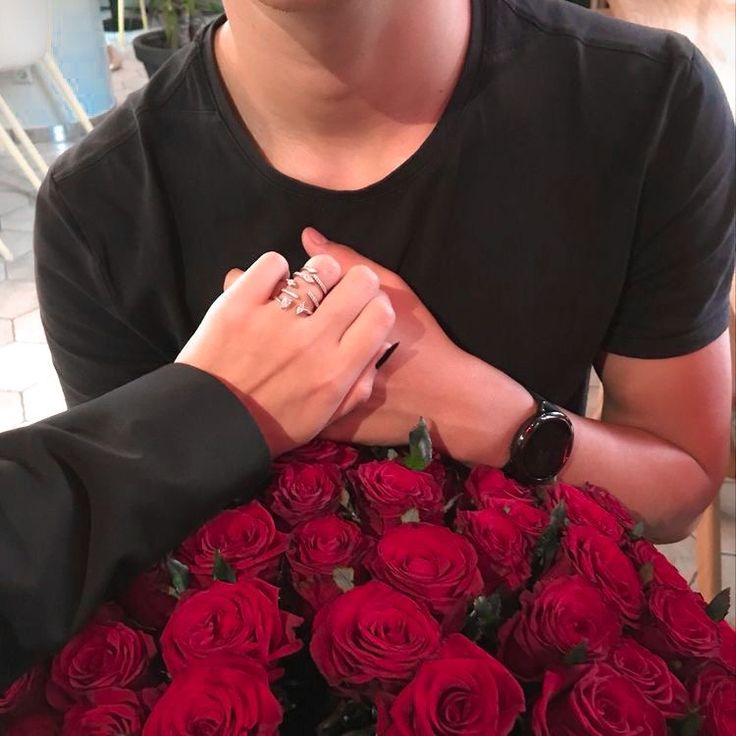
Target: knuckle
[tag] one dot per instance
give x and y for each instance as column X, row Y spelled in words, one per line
column 365, row 276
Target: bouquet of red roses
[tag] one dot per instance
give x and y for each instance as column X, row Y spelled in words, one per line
column 372, row 592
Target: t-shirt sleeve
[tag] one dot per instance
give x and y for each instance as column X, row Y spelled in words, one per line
column 93, row 348
column 675, row 298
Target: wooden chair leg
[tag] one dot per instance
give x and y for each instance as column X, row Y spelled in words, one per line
column 708, row 550
column 68, row 93
column 26, row 142
column 144, row 14
column 18, row 157
column 121, row 23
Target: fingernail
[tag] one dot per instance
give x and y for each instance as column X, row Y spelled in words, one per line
column 315, row 236
column 386, row 355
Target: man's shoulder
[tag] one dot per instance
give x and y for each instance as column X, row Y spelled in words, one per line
column 595, row 33
column 124, row 133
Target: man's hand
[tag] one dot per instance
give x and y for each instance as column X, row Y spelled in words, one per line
column 428, row 375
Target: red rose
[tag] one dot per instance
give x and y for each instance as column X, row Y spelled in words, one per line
column 714, row 693
column 598, row 559
column 582, row 508
column 24, row 693
column 301, row 492
column 611, row 504
column 485, row 483
column 559, row 615
column 46, row 723
column 677, row 625
column 372, row 633
column 105, row 654
column 652, row 676
column 530, row 520
column 111, row 713
column 464, row 691
column 727, row 651
column 316, row 548
column 663, row 571
column 217, row 696
column 233, row 619
column 598, row 702
column 430, row 564
column 386, row 490
column 148, row 600
column 504, row 551
column 321, row 451
column 247, row 540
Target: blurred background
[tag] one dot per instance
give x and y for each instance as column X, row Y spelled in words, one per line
column 64, row 64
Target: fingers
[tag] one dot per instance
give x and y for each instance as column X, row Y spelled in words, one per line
column 370, row 328
column 305, row 287
column 231, row 277
column 362, row 388
column 258, row 282
column 343, row 304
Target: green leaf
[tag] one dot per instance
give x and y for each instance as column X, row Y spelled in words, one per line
column 349, row 717
column 221, row 570
column 483, row 618
column 420, row 447
column 689, row 725
column 345, row 498
column 451, row 503
column 718, row 607
column 410, row 516
column 344, row 578
column 578, row 654
column 638, row 531
column 646, row 573
column 549, row 540
column 391, row 454
column 179, row 574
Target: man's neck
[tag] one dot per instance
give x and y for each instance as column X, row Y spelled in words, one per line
column 348, row 79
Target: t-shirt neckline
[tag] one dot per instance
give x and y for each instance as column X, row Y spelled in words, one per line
column 427, row 151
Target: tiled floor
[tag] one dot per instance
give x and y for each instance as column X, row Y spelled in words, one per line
column 29, row 389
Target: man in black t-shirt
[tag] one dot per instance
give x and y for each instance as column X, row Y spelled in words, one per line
column 547, row 189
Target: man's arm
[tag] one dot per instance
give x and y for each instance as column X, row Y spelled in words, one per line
column 91, row 496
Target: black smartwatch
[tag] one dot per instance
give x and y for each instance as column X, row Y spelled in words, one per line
column 541, row 446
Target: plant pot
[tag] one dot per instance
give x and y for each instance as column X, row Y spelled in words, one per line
column 151, row 50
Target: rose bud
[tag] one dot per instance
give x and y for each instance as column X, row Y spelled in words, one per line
column 663, row 571
column 678, row 625
column 240, row 619
column 148, row 600
column 372, row 635
column 247, row 539
column 595, row 700
column 304, row 491
column 320, row 451
column 217, row 696
column 714, row 693
column 581, row 508
column 105, row 654
column 316, row 548
column 25, row 693
column 463, row 691
column 386, row 490
column 485, row 484
column 600, row 560
column 652, row 677
column 504, row 551
column 109, row 713
column 431, row 564
column 558, row 616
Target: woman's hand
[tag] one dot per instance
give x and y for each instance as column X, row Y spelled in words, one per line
column 294, row 373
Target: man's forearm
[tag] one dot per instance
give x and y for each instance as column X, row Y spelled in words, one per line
column 659, row 482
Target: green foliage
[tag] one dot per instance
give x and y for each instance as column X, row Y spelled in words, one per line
column 549, row 540
column 344, row 578
column 221, row 570
column 179, row 574
column 181, row 19
column 420, row 447
column 718, row 607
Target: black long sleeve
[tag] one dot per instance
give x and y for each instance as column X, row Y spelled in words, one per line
column 94, row 494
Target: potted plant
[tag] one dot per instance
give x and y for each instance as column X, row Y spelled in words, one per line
column 180, row 21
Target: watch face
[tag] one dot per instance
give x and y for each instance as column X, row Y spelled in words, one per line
column 548, row 447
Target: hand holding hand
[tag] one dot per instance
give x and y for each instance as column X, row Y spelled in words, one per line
column 294, row 373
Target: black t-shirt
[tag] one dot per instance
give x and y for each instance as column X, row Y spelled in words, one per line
column 575, row 197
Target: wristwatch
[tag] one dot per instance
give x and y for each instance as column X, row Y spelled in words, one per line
column 542, row 445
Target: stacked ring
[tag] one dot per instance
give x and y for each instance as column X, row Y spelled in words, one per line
column 288, row 294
